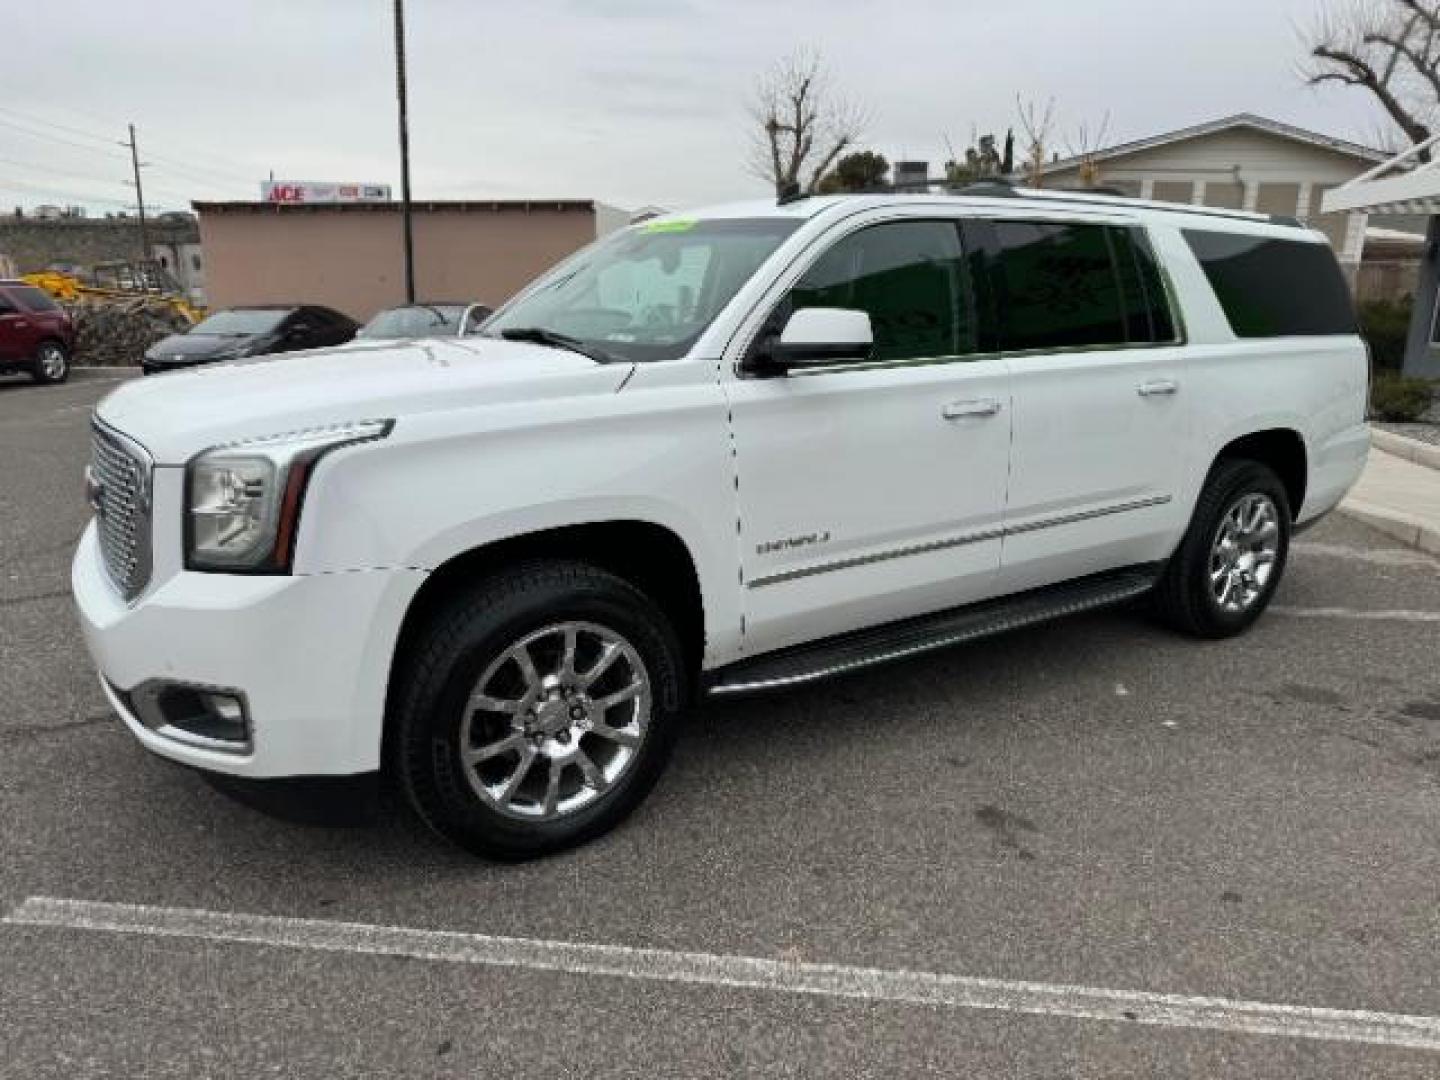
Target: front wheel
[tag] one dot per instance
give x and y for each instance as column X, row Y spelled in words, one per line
column 52, row 363
column 538, row 711
column 1232, row 557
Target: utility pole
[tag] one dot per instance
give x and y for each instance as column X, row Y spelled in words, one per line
column 401, row 96
column 139, row 195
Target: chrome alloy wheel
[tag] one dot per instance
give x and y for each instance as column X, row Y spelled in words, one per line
column 52, row 361
column 555, row 721
column 1244, row 553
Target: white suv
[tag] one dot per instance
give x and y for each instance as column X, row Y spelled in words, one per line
column 740, row 449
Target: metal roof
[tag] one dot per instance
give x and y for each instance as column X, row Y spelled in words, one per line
column 1240, row 120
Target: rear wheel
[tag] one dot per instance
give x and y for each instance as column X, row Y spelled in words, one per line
column 538, row 711
column 52, row 363
column 1233, row 555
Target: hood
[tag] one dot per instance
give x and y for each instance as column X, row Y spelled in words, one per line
column 180, row 414
column 191, row 346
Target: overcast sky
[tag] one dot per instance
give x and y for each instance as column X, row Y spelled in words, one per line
column 626, row 101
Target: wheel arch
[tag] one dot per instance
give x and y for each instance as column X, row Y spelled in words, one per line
column 1281, row 449
column 652, row 557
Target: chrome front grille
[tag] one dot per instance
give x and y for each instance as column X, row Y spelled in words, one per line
column 119, row 493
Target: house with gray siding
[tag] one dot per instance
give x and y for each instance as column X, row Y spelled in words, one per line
column 1243, row 162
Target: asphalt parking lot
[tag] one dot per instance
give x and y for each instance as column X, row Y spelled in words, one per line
column 1090, row 806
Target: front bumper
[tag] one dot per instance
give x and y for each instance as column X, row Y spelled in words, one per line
column 311, row 654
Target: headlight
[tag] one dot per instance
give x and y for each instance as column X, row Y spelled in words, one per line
column 243, row 500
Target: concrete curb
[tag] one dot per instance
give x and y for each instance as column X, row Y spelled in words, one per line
column 1413, row 450
column 1410, row 531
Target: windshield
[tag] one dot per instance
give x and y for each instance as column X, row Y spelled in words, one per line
column 648, row 292
column 226, row 323
column 422, row 320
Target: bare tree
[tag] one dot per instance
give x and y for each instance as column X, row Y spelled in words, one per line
column 803, row 124
column 1037, row 123
column 1085, row 145
column 1390, row 48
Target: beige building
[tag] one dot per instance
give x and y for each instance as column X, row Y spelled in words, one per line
column 349, row 256
column 1242, row 162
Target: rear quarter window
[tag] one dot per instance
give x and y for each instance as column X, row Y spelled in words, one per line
column 1272, row 287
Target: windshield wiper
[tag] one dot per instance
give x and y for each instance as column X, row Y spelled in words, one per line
column 540, row 336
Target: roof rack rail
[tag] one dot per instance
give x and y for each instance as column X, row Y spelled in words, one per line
column 1000, row 187
column 993, row 188
column 1104, row 196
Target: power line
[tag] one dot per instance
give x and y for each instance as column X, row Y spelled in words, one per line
column 65, row 174
column 58, row 139
column 32, row 119
column 196, row 174
column 58, row 193
column 48, row 171
column 232, row 169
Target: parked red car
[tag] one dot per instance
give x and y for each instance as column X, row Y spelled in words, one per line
column 36, row 335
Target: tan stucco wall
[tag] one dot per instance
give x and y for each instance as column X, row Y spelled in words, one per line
column 351, row 260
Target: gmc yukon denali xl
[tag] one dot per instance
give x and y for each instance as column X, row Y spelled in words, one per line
column 723, row 452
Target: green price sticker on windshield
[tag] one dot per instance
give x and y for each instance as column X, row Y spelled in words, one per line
column 684, row 225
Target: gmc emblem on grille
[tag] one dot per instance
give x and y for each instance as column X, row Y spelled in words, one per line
column 94, row 492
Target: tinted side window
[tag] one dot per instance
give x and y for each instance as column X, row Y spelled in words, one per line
column 1147, row 305
column 1060, row 286
column 35, row 299
column 909, row 277
column 1275, row 288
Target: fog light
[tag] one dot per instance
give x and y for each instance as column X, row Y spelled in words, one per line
column 208, row 717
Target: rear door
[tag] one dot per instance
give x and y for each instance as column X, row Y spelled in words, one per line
column 1100, row 420
column 871, row 491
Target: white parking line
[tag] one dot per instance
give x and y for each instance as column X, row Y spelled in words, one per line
column 1373, row 556
column 743, row 972
column 1354, row 613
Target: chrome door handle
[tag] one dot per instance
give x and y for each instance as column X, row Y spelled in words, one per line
column 959, row 410
column 1158, row 388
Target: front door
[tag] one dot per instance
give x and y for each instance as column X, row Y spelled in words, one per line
column 15, row 333
column 871, row 491
column 1099, row 419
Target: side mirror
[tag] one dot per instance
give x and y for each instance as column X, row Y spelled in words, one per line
column 815, row 336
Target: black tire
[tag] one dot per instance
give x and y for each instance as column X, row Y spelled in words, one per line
column 466, row 640
column 1183, row 598
column 51, row 365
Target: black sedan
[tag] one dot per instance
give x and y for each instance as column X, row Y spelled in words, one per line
column 249, row 331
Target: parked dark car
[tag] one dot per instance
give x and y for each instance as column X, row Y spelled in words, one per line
column 36, row 335
column 249, row 331
column 421, row 320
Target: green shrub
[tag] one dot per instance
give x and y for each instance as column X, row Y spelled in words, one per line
column 1398, row 397
column 1385, row 324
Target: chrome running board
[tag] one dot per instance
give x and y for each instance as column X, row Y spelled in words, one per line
column 895, row 641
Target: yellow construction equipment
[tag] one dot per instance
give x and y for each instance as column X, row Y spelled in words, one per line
column 71, row 288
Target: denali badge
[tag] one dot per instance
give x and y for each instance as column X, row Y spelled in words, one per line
column 790, row 543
